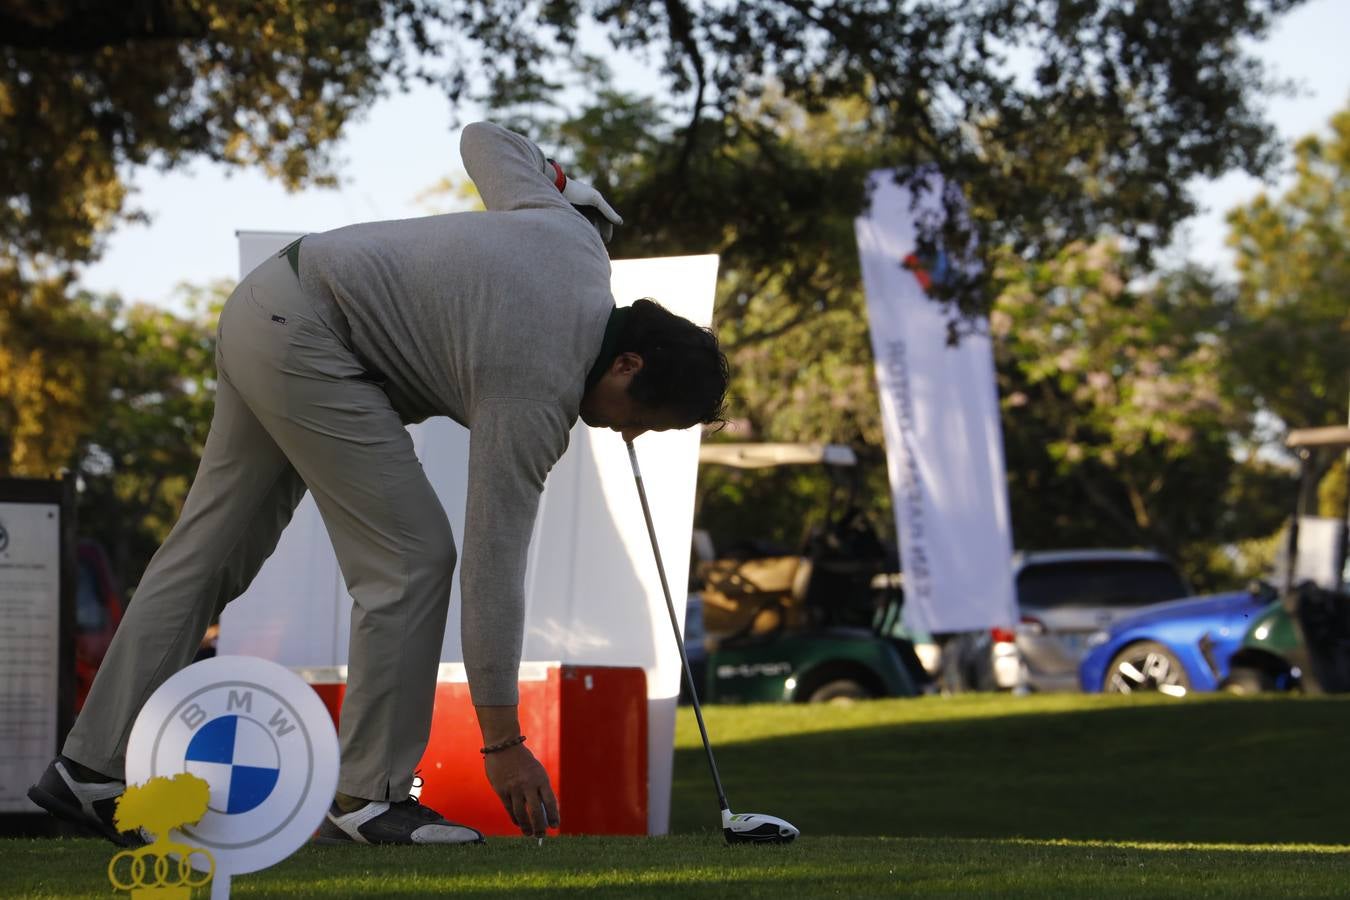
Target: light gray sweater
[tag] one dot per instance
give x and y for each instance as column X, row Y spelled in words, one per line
column 493, row 319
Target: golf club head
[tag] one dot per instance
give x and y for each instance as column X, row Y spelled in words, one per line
column 756, row 828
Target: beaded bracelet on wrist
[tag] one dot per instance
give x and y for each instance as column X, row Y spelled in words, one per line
column 493, row 748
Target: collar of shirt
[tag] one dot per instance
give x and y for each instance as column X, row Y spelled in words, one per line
column 609, row 347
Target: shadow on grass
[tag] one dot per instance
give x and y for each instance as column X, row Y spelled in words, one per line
column 1218, row 771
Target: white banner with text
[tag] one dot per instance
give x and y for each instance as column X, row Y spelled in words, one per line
column 939, row 407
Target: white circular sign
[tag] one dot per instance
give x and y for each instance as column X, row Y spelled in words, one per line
column 260, row 737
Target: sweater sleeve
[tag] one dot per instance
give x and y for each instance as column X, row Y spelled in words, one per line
column 513, row 443
column 507, row 169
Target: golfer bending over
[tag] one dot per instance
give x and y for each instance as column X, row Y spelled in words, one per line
column 502, row 320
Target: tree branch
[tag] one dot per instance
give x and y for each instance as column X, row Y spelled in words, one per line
column 804, row 315
column 107, row 25
column 1090, row 486
column 682, row 30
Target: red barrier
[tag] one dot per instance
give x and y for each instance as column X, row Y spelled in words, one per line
column 587, row 725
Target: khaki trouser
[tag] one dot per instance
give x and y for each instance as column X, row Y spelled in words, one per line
column 294, row 409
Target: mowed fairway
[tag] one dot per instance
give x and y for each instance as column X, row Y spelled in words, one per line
column 1066, row 796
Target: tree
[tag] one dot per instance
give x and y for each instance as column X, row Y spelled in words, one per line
column 121, row 394
column 1117, row 419
column 1291, row 356
column 90, row 91
column 139, row 451
column 53, row 342
column 1108, row 111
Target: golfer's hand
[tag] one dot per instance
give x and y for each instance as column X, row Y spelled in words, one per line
column 581, row 194
column 522, row 785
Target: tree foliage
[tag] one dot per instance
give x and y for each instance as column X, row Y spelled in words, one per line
column 138, row 454
column 51, row 343
column 90, row 91
column 1291, row 355
column 120, row 394
column 1059, row 118
column 1117, row 422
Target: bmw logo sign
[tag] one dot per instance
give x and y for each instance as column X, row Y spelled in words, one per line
column 263, row 741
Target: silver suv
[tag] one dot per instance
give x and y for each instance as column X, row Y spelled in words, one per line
column 1067, row 599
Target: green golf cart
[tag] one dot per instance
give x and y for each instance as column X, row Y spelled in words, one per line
column 1302, row 639
column 814, row 626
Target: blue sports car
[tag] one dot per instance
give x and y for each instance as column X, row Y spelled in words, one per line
column 1174, row 647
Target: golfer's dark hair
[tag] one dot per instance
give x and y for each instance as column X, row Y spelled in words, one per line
column 683, row 369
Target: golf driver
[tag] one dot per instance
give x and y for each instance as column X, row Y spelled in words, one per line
column 739, row 828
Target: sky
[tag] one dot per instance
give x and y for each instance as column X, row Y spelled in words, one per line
column 404, row 145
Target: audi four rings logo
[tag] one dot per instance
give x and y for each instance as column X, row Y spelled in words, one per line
column 260, row 738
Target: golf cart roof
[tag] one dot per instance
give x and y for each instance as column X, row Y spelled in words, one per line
column 1334, row 436
column 763, row 456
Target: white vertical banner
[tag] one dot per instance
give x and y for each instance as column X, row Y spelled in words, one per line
column 944, row 444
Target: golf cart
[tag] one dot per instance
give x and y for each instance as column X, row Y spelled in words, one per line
column 812, row 626
column 1302, row 639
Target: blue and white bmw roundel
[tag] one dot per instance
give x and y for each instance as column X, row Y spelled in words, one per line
column 239, row 758
column 263, row 742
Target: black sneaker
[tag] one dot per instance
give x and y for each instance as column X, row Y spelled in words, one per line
column 90, row 805
column 382, row 822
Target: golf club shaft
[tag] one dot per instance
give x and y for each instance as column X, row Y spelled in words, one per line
column 675, row 626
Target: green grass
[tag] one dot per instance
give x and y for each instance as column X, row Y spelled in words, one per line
column 1084, row 767
column 695, row 867
column 1066, row 796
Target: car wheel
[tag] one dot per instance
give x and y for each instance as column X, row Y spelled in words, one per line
column 1146, row 667
column 841, row 691
column 1245, row 680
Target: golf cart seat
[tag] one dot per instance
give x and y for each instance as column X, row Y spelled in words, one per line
column 749, row 597
column 1323, row 617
